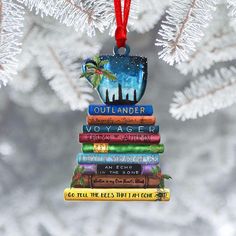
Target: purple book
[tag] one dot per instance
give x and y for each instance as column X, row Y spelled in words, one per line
column 118, row 169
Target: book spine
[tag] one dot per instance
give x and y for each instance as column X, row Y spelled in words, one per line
column 118, row 169
column 116, row 181
column 121, row 120
column 120, row 129
column 119, row 194
column 121, row 110
column 122, row 148
column 119, row 138
column 97, row 158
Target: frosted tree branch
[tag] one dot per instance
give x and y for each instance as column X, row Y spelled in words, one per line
column 183, row 27
column 217, row 45
column 83, row 15
column 41, row 99
column 232, row 7
column 62, row 70
column 26, row 80
column 11, row 23
column 41, row 37
column 221, row 48
column 205, row 95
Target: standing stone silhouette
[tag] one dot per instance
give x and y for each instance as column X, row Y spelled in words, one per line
column 135, row 96
column 120, row 93
column 107, row 96
column 120, row 99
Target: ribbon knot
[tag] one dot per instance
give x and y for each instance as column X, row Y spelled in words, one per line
column 120, row 36
column 121, row 31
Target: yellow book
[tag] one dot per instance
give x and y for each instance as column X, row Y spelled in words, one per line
column 116, row 194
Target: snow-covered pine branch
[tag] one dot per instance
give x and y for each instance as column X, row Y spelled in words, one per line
column 217, row 45
column 232, row 7
column 183, row 27
column 220, row 48
column 11, row 23
column 41, row 99
column 30, row 39
column 26, row 79
column 62, row 69
column 205, row 95
column 148, row 14
column 40, row 35
column 83, row 15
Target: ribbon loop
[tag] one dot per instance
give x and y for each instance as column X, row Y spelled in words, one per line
column 120, row 36
column 121, row 31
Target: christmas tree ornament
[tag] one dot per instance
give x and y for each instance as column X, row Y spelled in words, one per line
column 120, row 159
column 119, row 79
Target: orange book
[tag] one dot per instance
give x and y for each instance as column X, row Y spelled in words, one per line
column 121, row 120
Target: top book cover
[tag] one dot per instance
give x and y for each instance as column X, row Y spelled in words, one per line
column 122, row 110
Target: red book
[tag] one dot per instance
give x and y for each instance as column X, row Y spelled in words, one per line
column 121, row 138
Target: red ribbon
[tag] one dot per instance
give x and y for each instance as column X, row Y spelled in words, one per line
column 121, row 22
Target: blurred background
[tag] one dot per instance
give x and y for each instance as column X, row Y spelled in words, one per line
column 38, row 145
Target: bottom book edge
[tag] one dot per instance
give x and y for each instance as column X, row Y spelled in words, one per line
column 116, row 194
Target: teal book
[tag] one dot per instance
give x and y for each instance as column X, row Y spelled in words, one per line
column 121, row 110
column 120, row 128
column 105, row 158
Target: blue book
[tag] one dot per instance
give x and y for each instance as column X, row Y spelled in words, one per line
column 120, row 158
column 121, row 110
column 120, row 128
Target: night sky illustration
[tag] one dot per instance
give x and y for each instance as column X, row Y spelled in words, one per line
column 131, row 73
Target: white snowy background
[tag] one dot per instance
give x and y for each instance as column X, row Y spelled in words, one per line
column 37, row 158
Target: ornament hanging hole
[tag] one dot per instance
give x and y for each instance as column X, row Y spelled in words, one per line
column 126, row 50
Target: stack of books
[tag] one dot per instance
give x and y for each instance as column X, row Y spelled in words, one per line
column 120, row 156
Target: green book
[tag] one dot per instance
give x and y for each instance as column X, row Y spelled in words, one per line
column 122, row 148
